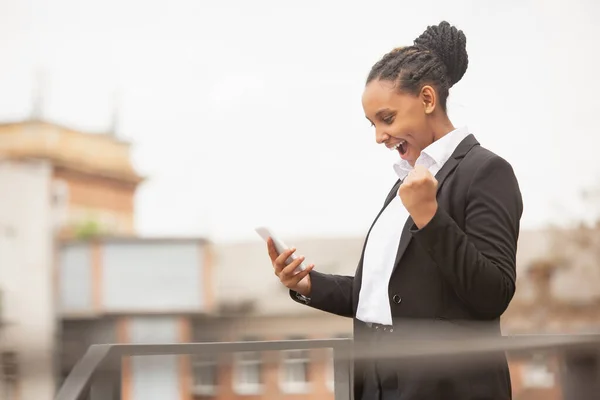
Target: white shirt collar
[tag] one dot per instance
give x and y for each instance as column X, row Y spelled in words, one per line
column 434, row 155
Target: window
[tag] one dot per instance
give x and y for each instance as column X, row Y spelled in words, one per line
column 294, row 377
column 60, row 193
column 536, row 373
column 60, row 203
column 9, row 374
column 248, row 371
column 8, row 366
column 205, row 373
column 205, row 366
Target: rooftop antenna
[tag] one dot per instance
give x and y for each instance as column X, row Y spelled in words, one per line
column 113, row 129
column 38, row 96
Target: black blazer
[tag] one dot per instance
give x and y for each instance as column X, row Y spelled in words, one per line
column 458, row 270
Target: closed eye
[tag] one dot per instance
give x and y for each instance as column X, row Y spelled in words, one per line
column 388, row 120
column 386, row 116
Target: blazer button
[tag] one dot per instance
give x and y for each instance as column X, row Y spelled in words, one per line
column 397, row 299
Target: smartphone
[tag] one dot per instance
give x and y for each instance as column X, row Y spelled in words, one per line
column 265, row 233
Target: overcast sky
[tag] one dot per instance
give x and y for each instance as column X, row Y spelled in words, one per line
column 246, row 113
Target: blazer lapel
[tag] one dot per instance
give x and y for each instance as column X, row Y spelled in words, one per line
column 391, row 195
column 358, row 274
column 461, row 150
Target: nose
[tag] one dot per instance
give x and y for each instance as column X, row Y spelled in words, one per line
column 380, row 136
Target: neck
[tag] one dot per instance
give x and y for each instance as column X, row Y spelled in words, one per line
column 441, row 127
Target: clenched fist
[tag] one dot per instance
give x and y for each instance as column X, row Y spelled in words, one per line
column 418, row 194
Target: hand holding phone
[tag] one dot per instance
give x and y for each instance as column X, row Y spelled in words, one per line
column 280, row 247
column 294, row 276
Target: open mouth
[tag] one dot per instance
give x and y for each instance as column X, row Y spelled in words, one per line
column 402, row 147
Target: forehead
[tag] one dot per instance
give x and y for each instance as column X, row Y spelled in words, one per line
column 381, row 94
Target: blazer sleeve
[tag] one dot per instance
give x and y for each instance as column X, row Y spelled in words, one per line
column 329, row 293
column 480, row 262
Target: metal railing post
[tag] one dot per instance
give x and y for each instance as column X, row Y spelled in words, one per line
column 342, row 370
column 106, row 381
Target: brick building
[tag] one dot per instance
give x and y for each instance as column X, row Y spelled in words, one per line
column 92, row 175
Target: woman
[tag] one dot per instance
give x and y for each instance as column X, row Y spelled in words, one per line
column 441, row 253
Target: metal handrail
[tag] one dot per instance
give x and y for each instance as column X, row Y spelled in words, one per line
column 102, row 360
column 106, row 356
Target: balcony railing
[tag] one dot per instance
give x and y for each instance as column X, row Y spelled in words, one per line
column 98, row 374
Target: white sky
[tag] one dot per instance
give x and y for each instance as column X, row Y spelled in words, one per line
column 248, row 113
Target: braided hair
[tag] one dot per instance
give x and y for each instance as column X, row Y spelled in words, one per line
column 438, row 58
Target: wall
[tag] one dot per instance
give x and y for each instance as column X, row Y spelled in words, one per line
column 244, row 275
column 95, row 153
column 26, row 275
column 106, row 201
column 158, row 278
column 129, row 276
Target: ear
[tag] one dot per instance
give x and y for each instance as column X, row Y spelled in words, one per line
column 429, row 99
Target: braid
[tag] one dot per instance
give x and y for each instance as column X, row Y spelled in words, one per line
column 444, row 40
column 438, row 58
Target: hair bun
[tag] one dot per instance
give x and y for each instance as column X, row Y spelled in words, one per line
column 450, row 45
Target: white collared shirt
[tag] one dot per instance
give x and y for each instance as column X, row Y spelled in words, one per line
column 384, row 238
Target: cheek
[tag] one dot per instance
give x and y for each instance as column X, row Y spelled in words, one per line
column 402, row 130
column 416, row 128
column 406, row 128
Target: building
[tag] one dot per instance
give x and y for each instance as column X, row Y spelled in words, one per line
column 132, row 290
column 56, row 184
column 29, row 327
column 91, row 174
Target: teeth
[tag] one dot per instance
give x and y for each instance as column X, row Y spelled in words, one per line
column 398, row 145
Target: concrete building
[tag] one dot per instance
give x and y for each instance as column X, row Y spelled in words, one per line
column 29, row 325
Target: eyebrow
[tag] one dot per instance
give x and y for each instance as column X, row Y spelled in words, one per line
column 382, row 111
column 379, row 113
